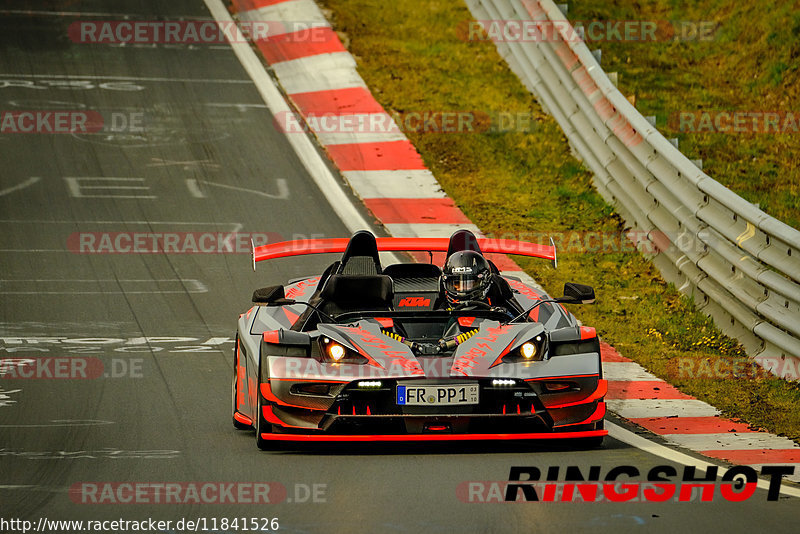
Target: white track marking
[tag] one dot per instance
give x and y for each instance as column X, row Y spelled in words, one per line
column 644, row 444
column 170, row 46
column 297, row 14
column 63, row 422
column 62, row 287
column 317, row 168
column 322, row 72
column 282, row 194
column 641, row 408
column 731, row 441
column 123, row 78
column 76, row 188
column 187, row 164
column 240, row 107
column 342, row 129
column 236, row 226
column 395, row 184
column 22, row 185
column 626, row 372
column 194, row 189
column 5, row 396
column 429, row 230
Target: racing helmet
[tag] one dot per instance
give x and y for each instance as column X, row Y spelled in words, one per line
column 466, row 276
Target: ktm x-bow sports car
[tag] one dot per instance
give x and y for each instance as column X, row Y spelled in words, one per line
column 371, row 353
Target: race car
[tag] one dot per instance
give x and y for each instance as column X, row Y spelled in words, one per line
column 366, row 352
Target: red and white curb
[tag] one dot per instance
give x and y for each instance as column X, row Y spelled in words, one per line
column 386, row 172
column 682, row 420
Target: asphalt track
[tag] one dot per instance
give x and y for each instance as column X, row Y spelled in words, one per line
column 209, row 160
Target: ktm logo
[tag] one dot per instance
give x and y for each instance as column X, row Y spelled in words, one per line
column 414, row 302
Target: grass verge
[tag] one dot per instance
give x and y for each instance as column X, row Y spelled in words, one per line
column 527, row 184
column 720, row 56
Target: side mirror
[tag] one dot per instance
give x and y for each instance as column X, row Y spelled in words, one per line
column 577, row 294
column 271, row 296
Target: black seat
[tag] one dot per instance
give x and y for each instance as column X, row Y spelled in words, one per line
column 416, row 285
column 463, row 240
column 351, row 292
column 361, row 255
column 413, row 270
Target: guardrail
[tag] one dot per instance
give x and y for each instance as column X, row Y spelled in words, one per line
column 741, row 265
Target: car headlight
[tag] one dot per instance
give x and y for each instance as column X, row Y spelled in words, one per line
column 529, row 351
column 332, row 351
column 335, row 351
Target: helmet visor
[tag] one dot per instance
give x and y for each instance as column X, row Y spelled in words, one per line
column 461, row 285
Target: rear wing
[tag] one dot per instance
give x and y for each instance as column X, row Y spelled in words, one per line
column 303, row 247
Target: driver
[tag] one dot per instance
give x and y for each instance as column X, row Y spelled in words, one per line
column 466, row 277
column 467, row 280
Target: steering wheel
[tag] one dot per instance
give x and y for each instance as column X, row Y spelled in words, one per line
column 472, row 304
